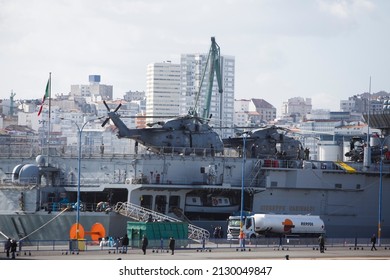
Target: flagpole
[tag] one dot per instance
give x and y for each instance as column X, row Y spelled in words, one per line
column 49, row 126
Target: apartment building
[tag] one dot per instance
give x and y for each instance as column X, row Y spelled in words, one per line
column 194, row 89
column 162, row 90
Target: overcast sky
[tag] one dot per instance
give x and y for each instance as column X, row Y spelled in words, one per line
column 323, row 49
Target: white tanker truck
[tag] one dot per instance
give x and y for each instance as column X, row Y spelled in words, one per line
column 275, row 225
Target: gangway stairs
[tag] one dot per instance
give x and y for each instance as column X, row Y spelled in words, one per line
column 142, row 214
column 257, row 182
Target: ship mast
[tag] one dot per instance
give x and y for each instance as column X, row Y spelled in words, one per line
column 367, row 149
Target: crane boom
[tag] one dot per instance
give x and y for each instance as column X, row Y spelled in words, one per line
column 214, row 67
column 214, row 62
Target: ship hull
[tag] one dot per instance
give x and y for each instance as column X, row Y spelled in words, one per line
column 347, row 202
column 48, row 228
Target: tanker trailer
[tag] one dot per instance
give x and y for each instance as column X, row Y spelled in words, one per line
column 278, row 225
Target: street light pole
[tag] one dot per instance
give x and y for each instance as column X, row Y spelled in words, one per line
column 242, row 236
column 80, row 131
column 383, row 141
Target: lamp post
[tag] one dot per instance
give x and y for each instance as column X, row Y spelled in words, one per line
column 80, row 131
column 383, row 141
column 242, row 236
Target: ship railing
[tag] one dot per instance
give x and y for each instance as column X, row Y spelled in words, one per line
column 26, row 181
column 31, row 150
column 72, row 206
column 301, row 164
column 95, row 151
column 19, row 146
column 146, row 215
column 177, row 150
column 86, row 182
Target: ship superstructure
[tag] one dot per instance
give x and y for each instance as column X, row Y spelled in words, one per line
column 203, row 190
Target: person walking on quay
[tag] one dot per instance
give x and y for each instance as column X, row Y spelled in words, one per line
column 117, row 243
column 125, row 244
column 14, row 245
column 7, row 246
column 373, row 242
column 162, row 245
column 144, row 244
column 172, row 245
column 321, row 241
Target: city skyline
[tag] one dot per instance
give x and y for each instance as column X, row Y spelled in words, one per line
column 324, row 50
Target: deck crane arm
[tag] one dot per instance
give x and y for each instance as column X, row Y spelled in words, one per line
column 214, row 62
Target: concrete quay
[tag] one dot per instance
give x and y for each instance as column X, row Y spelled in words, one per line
column 331, row 253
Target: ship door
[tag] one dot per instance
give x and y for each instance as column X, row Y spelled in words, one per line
column 174, row 203
column 146, row 201
column 161, row 204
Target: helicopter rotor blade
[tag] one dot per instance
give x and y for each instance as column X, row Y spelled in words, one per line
column 105, row 122
column 117, row 108
column 105, row 104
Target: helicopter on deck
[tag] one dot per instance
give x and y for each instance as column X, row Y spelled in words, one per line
column 187, row 134
column 266, row 142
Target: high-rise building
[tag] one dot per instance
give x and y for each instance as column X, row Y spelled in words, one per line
column 162, row 89
column 194, row 82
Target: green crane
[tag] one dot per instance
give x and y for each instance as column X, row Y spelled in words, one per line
column 214, row 62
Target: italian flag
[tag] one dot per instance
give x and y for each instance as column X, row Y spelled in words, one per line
column 47, row 94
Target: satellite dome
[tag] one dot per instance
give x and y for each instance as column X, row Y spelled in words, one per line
column 40, row 160
column 15, row 172
column 29, row 173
